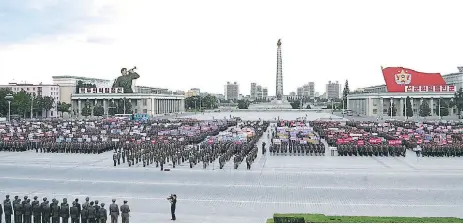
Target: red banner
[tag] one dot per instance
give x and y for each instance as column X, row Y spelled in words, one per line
column 396, row 78
column 360, row 142
column 375, row 140
column 394, row 142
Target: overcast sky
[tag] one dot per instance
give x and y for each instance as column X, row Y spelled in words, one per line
column 203, row 44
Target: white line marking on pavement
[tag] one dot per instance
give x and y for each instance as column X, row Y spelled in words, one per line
column 233, row 185
column 123, row 197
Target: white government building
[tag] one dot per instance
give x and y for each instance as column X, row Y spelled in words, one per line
column 144, row 100
column 376, row 101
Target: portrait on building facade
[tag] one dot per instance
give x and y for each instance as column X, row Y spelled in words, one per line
column 126, row 79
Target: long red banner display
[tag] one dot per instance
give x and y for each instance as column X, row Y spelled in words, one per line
column 430, row 88
column 101, row 90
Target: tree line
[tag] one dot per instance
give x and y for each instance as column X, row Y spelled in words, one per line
column 22, row 103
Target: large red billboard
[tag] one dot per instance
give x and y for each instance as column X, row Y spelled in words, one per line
column 397, row 78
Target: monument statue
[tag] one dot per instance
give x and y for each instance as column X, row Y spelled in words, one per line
column 125, row 80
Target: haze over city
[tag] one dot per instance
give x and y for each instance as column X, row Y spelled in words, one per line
column 203, row 44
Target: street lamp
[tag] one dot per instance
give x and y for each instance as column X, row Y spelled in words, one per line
column 9, row 97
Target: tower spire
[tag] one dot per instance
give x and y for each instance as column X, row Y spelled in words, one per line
column 279, row 76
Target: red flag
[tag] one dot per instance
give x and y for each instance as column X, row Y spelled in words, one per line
column 397, row 78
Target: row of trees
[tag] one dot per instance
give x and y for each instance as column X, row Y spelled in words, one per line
column 113, row 108
column 201, row 102
column 424, row 110
column 22, row 103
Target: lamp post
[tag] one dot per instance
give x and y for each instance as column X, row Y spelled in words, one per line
column 9, row 97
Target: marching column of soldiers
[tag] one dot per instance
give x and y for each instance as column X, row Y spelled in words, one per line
column 54, row 212
column 178, row 152
column 296, row 148
column 371, row 150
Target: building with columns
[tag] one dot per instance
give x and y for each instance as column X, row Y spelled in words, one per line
column 376, row 101
column 142, row 103
column 378, row 104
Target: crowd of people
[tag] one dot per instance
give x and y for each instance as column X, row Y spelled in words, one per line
column 392, row 138
column 295, row 138
column 28, row 211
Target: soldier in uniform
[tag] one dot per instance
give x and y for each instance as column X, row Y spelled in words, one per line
column 114, row 211
column 28, row 211
column 55, row 209
column 64, row 211
column 91, row 212
column 114, row 158
column 97, row 211
column 46, row 211
column 18, row 213
column 15, row 208
column 78, row 210
column 84, row 213
column 8, row 208
column 36, row 210
column 119, row 157
column 74, row 213
column 173, row 204
column 125, row 210
column 103, row 214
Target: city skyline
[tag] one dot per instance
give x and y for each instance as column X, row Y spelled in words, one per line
column 90, row 38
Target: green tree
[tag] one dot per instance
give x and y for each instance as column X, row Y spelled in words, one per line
column 120, row 106
column 394, row 110
column 112, row 109
column 243, row 104
column 87, row 110
column 98, row 110
column 209, row 102
column 4, row 102
column 21, row 103
column 296, row 104
column 47, row 103
column 444, row 108
column 345, row 93
column 425, row 110
column 457, row 101
column 63, row 107
column 408, row 107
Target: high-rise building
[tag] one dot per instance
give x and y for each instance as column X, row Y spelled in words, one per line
column 279, row 78
column 300, row 91
column 264, row 93
column 42, row 90
column 253, row 93
column 232, row 91
column 307, row 90
column 193, row 92
column 333, row 90
column 258, row 92
column 455, row 79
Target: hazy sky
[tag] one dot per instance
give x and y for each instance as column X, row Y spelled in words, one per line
column 204, row 44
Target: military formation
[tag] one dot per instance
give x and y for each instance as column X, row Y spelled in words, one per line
column 393, row 138
column 295, row 138
column 204, row 153
column 28, row 211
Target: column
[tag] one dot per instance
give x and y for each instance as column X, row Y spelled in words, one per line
column 79, row 107
column 381, row 103
column 413, row 106
column 152, row 107
column 390, row 106
column 104, row 107
column 432, row 107
column 402, row 107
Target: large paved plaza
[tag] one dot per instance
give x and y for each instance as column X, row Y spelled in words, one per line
column 385, row 186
